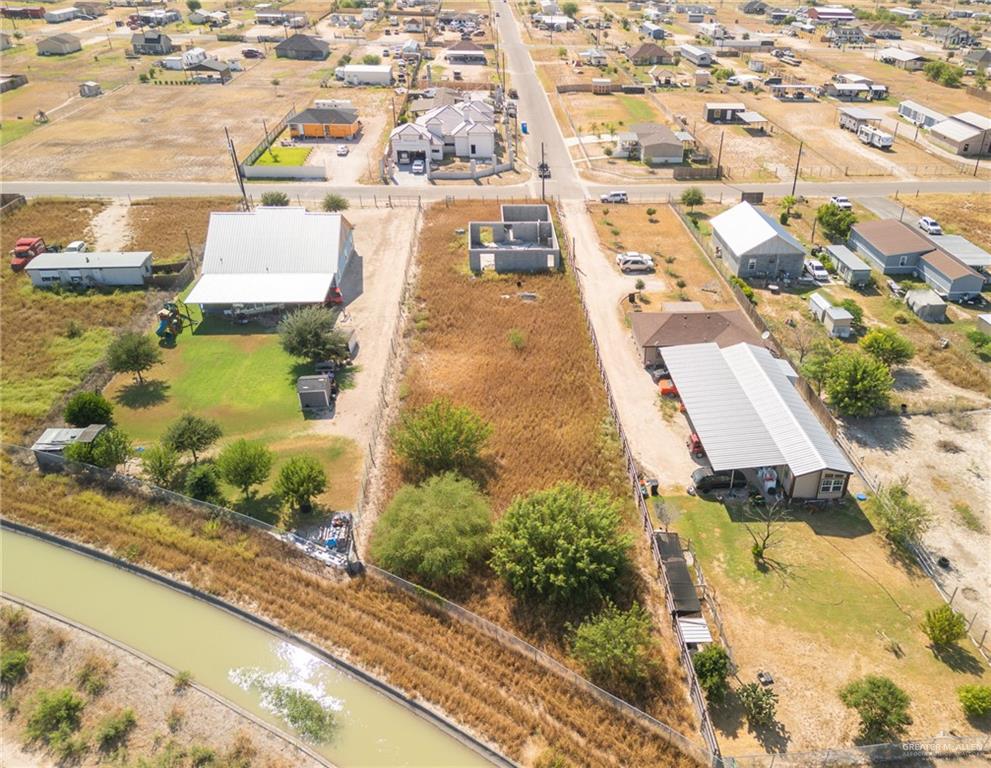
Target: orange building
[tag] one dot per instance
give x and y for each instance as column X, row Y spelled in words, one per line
column 314, row 123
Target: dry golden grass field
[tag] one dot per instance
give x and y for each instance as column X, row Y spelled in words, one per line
column 967, row 215
column 499, row 694
column 161, row 225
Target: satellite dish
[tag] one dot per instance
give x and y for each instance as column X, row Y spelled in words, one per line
column 765, row 335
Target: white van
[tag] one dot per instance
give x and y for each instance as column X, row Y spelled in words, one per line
column 615, row 197
column 632, row 261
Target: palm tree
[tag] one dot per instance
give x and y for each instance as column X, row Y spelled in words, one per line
column 787, row 203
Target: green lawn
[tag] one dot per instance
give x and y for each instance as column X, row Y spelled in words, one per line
column 284, row 156
column 12, row 130
column 638, row 108
column 242, row 379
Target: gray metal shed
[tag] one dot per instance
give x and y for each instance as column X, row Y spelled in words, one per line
column 854, row 270
column 314, row 392
column 927, row 305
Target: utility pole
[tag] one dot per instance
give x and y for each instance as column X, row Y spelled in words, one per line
column 719, row 157
column 543, row 176
column 237, row 168
column 798, row 163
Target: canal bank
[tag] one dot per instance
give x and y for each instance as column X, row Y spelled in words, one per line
column 232, row 653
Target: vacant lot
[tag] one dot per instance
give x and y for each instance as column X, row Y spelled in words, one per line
column 965, row 215
column 463, row 673
column 832, row 606
column 59, row 652
column 52, row 340
column 167, row 226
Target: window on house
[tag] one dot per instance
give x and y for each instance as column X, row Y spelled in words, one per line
column 902, row 261
column 751, row 265
column 831, row 482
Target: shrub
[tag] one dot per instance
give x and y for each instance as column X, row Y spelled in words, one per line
column 15, row 633
column 133, row 353
column 371, row 59
column 191, row 433
column 901, row 318
column 14, row 666
column 881, row 705
column 691, row 197
column 854, row 309
column 434, row 532
column 744, row 288
column 244, row 464
column 712, row 665
column 975, row 700
column 616, row 648
column 563, row 545
column 203, row 483
column 303, row 712
column 651, row 212
column 944, row 626
column 517, row 339
column 441, row 437
column 888, row 346
column 900, row 518
column 835, row 221
column 300, row 479
column 275, row 199
column 112, row 731
column 309, row 333
column 55, row 715
column 759, row 704
column 608, row 150
column 639, row 284
column 182, row 680
column 857, row 385
column 160, row 464
column 109, row 449
column 175, row 718
column 88, row 408
column 783, row 217
column 332, row 203
column 94, row 676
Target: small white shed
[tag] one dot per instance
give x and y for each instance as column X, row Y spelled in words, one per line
column 84, row 270
column 837, row 321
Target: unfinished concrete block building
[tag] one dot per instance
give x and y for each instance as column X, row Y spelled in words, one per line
column 523, row 241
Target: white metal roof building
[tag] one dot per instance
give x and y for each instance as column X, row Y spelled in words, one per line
column 748, row 415
column 71, row 268
column 755, row 244
column 963, row 250
column 273, row 256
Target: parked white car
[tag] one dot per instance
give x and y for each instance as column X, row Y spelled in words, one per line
column 418, row 167
column 631, row 261
column 615, row 197
column 817, row 270
column 841, row 202
column 76, row 246
column 930, row 226
column 342, row 150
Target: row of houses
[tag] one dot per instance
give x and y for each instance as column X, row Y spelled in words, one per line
column 968, row 134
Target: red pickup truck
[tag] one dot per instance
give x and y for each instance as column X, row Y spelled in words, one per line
column 25, row 249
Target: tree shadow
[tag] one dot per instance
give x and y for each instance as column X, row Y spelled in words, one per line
column 213, row 325
column 265, row 508
column 981, row 723
column 908, row 380
column 887, row 433
column 774, row 738
column 958, row 659
column 727, row 715
column 136, row 396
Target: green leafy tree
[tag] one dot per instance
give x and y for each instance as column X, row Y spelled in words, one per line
column 835, row 221
column 160, row 463
column 275, row 199
column 975, row 700
column 854, row 309
column 616, row 648
column 815, row 363
column 944, row 73
column 901, row 518
column 55, row 714
column 309, row 333
column 202, row 483
column 691, row 197
column 563, row 545
column 191, row 433
column 88, row 408
column 441, row 437
column 299, row 481
column 944, row 626
column 857, row 385
column 712, row 666
column 133, row 353
column 371, row 59
column 435, row 532
column 244, row 464
column 759, row 704
column 722, row 73
column 888, row 346
column 787, row 203
column 882, row 707
column 14, row 665
column 109, row 449
column 332, row 203
column 569, row 9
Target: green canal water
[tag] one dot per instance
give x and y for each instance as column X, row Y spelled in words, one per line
column 225, row 654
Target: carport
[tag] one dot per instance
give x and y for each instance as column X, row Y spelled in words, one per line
column 754, row 121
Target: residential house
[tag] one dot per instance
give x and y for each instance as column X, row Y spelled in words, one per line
column 848, row 92
column 409, row 142
column 978, row 59
column 277, row 257
column 851, row 269
column 752, row 45
column 880, row 30
column 593, row 57
column 465, row 52
column 365, row 74
column 281, row 19
column 845, row 34
column 211, row 18
column 949, row 36
column 84, row 270
column 523, row 240
column 920, row 115
column 715, row 31
column 61, row 15
column 465, row 130
column 555, row 23
column 22, row 12
column 909, row 14
column 159, row 17
column 688, row 322
column 413, row 26
column 837, row 321
column 335, row 123
column 59, row 45
column 185, row 60
column 655, row 144
column 968, row 134
column 10, row 82
column 723, row 111
column 897, row 57
column 89, row 8
column 303, row 48
column 211, row 71
column 754, row 244
column 649, row 53
column 697, row 56
column 964, row 251
column 151, row 42
column 830, row 14
column 652, row 31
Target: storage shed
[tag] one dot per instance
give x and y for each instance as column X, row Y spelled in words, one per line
column 315, row 392
column 83, row 270
column 927, row 305
column 984, row 323
column 723, row 111
column 837, row 321
column 854, row 271
column 53, row 441
column 755, row 244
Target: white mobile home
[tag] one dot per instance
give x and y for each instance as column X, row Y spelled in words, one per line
column 698, row 56
column 85, row 270
column 366, row 74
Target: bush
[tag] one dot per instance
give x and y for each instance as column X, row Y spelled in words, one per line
column 112, row 731
column 88, row 408
column 275, row 199
column 202, row 483
column 182, row 680
column 944, row 626
column 517, row 339
column 332, row 203
column 691, row 197
column 888, row 346
column 562, row 545
column 901, row 318
column 55, row 715
column 435, row 532
column 744, row 288
column 191, row 433
column 882, row 707
column 94, row 676
column 759, row 704
column 14, row 666
column 857, row 385
column 616, row 648
column 783, row 217
column 835, row 221
column 441, row 437
column 371, row 59
column 15, row 634
column 133, row 353
column 160, row 464
column 300, row 479
column 309, row 333
column 854, row 309
column 303, row 712
column 712, row 665
column 900, row 518
column 244, row 464
column 975, row 700
column 109, row 449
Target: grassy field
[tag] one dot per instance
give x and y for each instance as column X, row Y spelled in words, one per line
column 162, row 225
column 241, row 378
column 284, row 156
column 51, row 340
column 463, row 673
column 965, row 215
column 11, row 130
column 831, row 606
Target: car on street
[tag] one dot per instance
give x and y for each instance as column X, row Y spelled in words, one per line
column 342, row 150
column 632, row 261
column 614, row 197
column 706, row 481
column 252, row 53
column 817, row 270
column 930, row 226
column 841, row 202
column 418, row 167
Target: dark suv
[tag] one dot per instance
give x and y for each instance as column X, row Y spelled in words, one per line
column 706, row 481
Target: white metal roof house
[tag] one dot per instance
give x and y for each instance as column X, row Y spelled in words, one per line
column 85, row 270
column 755, row 244
column 919, row 114
column 749, row 416
column 272, row 256
column 966, row 133
column 898, row 57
